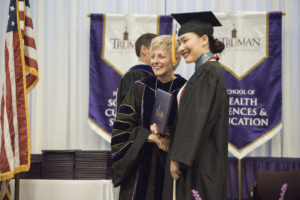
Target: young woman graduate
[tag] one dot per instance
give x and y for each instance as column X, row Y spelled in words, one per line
column 139, row 155
column 198, row 151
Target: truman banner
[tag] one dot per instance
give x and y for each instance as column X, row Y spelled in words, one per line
column 252, row 63
column 112, row 53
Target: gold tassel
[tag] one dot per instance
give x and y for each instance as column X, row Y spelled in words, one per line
column 173, row 45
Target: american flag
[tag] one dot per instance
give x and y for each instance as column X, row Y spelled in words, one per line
column 21, row 75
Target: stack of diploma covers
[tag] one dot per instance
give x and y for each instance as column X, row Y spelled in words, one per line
column 70, row 164
column 58, row 164
column 35, row 167
column 161, row 110
column 93, row 165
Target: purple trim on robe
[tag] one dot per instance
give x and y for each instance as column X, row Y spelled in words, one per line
column 145, row 68
column 136, row 181
column 118, row 155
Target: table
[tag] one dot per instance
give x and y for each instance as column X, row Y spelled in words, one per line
column 37, row 189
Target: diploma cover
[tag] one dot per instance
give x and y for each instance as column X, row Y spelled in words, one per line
column 161, row 110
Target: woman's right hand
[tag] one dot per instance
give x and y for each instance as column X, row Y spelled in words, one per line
column 174, row 169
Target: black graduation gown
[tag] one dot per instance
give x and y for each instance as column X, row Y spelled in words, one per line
column 138, row 166
column 135, row 73
column 200, row 142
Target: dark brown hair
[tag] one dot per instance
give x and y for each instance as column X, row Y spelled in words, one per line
column 215, row 45
column 144, row 39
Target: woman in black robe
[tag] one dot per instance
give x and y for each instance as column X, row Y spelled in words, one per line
column 139, row 155
column 198, row 151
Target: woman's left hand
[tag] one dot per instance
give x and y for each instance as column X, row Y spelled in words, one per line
column 163, row 143
column 153, row 138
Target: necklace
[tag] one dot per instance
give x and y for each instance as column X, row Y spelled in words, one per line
column 169, row 87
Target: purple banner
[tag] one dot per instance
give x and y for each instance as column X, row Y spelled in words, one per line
column 104, row 74
column 256, row 98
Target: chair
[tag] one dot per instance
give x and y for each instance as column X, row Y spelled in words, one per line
column 269, row 183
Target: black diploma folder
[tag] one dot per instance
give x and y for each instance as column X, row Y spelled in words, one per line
column 161, row 110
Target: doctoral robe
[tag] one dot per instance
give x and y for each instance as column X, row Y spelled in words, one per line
column 138, row 165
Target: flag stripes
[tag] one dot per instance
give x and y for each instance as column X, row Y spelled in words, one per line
column 21, row 75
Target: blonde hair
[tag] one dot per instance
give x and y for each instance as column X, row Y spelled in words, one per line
column 165, row 41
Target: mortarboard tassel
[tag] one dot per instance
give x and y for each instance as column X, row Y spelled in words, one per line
column 173, row 45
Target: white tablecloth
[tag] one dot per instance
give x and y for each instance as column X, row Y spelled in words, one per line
column 41, row 189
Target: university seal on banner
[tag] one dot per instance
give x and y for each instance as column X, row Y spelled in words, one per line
column 245, row 37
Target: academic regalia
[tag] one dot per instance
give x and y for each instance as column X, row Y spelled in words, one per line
column 201, row 136
column 200, row 142
column 135, row 73
column 138, row 165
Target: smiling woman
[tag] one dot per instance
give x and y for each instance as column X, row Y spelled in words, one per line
column 139, row 154
column 199, row 148
column 161, row 61
column 162, row 65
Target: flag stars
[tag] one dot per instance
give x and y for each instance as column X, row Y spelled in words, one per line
column 12, row 8
column 12, row 23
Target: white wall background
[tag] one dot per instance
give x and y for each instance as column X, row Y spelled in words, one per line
column 59, row 103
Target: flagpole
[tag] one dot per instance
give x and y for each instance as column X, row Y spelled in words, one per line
column 240, row 178
column 17, row 186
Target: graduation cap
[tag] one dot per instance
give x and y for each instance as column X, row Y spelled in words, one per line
column 198, row 22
